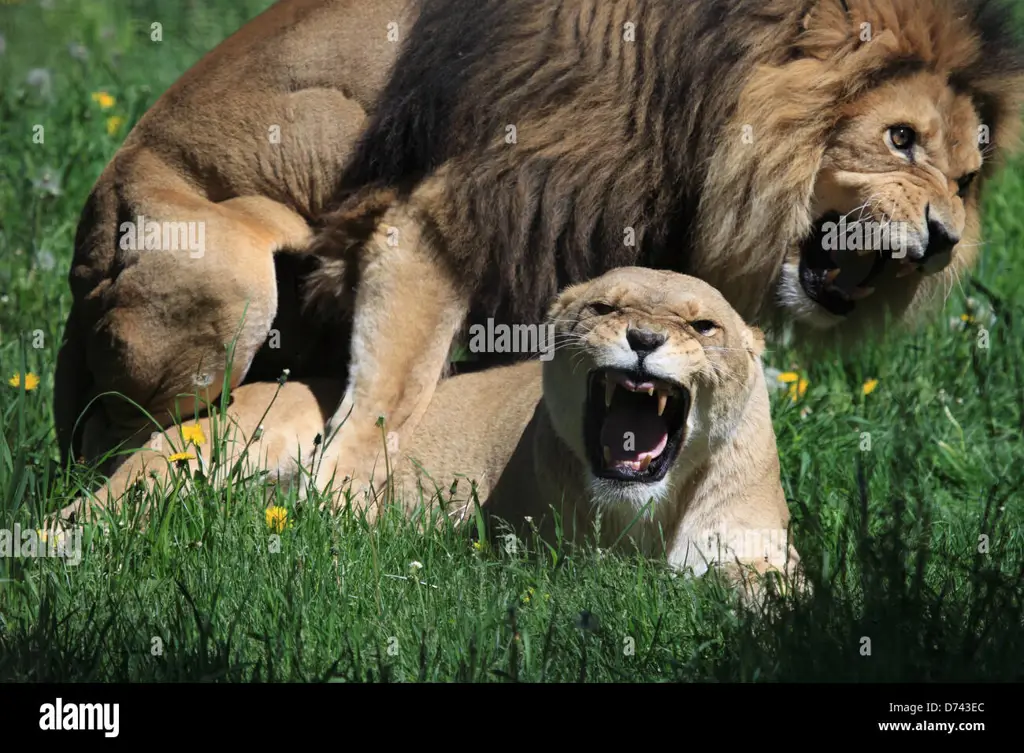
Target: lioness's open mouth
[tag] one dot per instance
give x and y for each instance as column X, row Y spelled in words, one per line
column 634, row 425
column 837, row 276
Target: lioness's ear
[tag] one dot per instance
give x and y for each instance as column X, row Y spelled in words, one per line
column 755, row 341
column 564, row 299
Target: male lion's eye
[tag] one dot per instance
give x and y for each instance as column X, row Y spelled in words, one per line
column 964, row 183
column 704, row 327
column 602, row 309
column 903, row 137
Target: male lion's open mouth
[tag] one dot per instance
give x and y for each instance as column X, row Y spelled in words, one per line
column 634, row 425
column 835, row 271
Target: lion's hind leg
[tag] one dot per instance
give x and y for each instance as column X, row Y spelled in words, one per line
column 159, row 302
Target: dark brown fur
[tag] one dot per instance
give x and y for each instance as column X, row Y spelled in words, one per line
column 611, row 134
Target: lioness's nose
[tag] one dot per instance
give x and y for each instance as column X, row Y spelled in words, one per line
column 644, row 341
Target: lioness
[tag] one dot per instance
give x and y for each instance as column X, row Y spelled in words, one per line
column 456, row 162
column 652, row 410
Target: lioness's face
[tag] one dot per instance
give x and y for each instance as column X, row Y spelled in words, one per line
column 893, row 205
column 652, row 369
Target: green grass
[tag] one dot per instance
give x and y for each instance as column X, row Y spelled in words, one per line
column 890, row 534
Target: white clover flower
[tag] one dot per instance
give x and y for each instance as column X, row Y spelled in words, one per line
column 48, row 182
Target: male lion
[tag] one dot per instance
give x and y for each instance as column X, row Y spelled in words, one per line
column 652, row 414
column 818, row 161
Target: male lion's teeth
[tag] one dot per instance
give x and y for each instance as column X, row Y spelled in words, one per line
column 831, row 276
column 644, row 462
column 650, row 392
column 662, row 402
column 858, row 294
column 906, row 268
column 607, row 454
column 609, row 391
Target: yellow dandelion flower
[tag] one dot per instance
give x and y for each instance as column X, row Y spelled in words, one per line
column 798, row 389
column 178, row 456
column 789, row 377
column 43, row 535
column 31, row 381
column 526, row 596
column 276, row 518
column 114, row 123
column 193, row 433
column 869, row 386
column 478, row 546
column 104, row 100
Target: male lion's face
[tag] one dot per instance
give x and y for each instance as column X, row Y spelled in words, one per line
column 894, row 203
column 651, row 372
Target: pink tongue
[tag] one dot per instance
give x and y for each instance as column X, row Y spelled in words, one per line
column 631, row 434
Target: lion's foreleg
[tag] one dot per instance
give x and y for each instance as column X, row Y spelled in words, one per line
column 408, row 309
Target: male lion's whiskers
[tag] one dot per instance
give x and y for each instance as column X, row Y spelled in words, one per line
column 861, row 209
column 954, row 271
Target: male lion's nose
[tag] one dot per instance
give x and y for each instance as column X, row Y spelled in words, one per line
column 941, row 238
column 644, row 341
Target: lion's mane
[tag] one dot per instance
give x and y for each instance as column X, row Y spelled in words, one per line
column 619, row 140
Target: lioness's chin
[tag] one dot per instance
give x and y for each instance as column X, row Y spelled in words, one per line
column 627, row 496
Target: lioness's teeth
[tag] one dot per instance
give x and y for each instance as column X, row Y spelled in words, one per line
column 662, row 402
column 609, row 391
column 860, row 293
column 646, row 461
column 607, row 454
column 831, row 276
column 650, row 392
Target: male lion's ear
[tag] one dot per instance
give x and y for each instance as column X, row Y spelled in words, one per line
column 755, row 341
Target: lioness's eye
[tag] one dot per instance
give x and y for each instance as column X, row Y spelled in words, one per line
column 602, row 309
column 704, row 327
column 903, row 137
column 964, row 183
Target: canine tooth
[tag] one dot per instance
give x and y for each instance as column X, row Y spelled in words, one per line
column 858, row 294
column 609, row 391
column 831, row 276
column 646, row 461
column 650, row 392
column 662, row 402
column 607, row 454
column 906, row 268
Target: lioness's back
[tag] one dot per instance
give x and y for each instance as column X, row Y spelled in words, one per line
column 475, row 421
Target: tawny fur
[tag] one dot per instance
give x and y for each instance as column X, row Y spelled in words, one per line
column 703, row 137
column 512, row 437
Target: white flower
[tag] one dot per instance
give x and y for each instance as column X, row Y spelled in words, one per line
column 45, row 260
column 415, row 567
column 48, row 182
column 78, row 51
column 40, row 78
